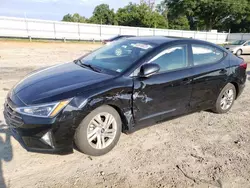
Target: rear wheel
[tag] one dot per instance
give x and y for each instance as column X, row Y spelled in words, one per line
column 99, row 131
column 239, row 52
column 225, row 99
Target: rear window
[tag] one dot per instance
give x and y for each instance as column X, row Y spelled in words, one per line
column 204, row 54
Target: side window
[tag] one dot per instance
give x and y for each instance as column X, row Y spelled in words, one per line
column 204, row 54
column 172, row 58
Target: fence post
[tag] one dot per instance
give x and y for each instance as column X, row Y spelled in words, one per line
column 101, row 32
column 54, row 29
column 27, row 28
column 242, row 35
column 79, row 32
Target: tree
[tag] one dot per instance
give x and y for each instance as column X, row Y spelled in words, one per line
column 103, row 15
column 162, row 9
column 180, row 23
column 158, row 21
column 211, row 13
column 67, row 18
column 140, row 16
column 241, row 24
column 174, row 21
column 74, row 18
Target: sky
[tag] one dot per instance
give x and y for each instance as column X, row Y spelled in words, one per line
column 54, row 9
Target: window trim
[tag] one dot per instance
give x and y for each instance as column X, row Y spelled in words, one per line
column 211, row 46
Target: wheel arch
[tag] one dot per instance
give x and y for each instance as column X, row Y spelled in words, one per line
column 240, row 49
column 124, row 119
column 124, row 113
column 236, row 88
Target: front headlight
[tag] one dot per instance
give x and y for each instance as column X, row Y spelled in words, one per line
column 44, row 110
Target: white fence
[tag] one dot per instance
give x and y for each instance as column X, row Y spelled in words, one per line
column 25, row 28
column 238, row 36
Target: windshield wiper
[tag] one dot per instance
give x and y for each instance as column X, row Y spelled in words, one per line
column 87, row 65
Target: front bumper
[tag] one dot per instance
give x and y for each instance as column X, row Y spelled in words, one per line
column 43, row 135
column 232, row 50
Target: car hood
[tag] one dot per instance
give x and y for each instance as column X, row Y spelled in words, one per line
column 60, row 80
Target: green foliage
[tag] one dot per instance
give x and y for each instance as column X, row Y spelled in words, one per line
column 140, row 16
column 103, row 15
column 175, row 21
column 180, row 23
column 209, row 14
column 74, row 18
column 67, row 18
column 175, row 14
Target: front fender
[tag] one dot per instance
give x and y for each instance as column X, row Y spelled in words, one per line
column 119, row 98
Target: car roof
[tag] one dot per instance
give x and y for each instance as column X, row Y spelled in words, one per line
column 126, row 35
column 158, row 40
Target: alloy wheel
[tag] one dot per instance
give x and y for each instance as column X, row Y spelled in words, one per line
column 227, row 99
column 102, row 130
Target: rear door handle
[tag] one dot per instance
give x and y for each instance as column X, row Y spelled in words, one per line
column 223, row 71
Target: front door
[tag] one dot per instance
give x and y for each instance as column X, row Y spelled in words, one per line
column 246, row 48
column 166, row 93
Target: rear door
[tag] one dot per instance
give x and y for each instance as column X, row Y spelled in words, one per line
column 209, row 75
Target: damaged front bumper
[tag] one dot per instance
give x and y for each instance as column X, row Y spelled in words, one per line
column 43, row 135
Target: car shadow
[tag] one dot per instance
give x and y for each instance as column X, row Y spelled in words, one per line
column 6, row 153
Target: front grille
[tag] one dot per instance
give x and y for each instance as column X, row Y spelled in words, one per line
column 12, row 118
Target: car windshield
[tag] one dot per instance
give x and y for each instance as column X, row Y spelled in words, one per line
column 117, row 56
column 238, row 42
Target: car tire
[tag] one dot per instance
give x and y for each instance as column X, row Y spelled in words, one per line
column 99, row 131
column 239, row 52
column 225, row 99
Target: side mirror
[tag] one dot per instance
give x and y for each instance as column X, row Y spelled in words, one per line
column 149, row 69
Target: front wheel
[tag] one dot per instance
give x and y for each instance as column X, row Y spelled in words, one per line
column 99, row 131
column 225, row 99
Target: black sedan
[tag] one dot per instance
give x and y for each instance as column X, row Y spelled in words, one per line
column 121, row 87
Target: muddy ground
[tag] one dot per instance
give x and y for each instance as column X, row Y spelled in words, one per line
column 199, row 150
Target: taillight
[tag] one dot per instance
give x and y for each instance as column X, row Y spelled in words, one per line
column 243, row 65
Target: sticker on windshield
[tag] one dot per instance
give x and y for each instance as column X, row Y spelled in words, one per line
column 119, row 70
column 142, row 46
column 118, row 52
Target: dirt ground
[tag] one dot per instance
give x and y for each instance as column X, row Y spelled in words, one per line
column 199, row 150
